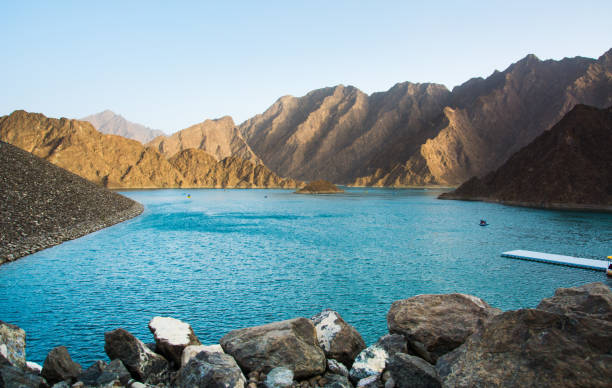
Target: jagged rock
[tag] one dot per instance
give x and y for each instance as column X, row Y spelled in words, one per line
column 172, row 336
column 91, row 374
column 320, row 187
column 292, row 343
column 143, row 364
column 336, row 367
column 13, row 342
column 337, row 381
column 372, row 360
column 534, row 348
column 13, row 376
column 594, row 300
column 192, row 350
column 115, row 371
column 339, row 340
column 370, row 382
column 279, row 377
column 58, row 366
column 211, row 370
column 412, row 372
column 437, row 324
column 33, row 367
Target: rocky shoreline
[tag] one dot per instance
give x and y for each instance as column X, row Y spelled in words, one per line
column 452, row 340
column 44, row 205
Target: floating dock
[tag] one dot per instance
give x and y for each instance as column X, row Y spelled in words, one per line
column 579, row 262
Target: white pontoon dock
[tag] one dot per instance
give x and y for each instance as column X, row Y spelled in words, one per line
column 579, row 262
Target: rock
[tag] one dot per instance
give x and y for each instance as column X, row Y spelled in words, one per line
column 115, row 371
column 337, row 381
column 437, row 324
column 61, row 384
column 373, row 359
column 337, row 367
column 292, row 343
column 192, row 350
column 339, row 340
column 533, row 348
column 13, row 376
column 211, row 369
column 144, row 365
column 594, row 300
column 58, row 366
column 370, row 382
column 172, row 336
column 12, row 344
column 91, row 374
column 279, row 377
column 33, row 367
column 409, row 371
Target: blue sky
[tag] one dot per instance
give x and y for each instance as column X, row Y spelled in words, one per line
column 170, row 64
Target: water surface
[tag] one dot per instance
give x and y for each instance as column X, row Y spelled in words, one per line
column 227, row 259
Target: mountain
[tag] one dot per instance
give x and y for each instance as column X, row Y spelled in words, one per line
column 568, row 166
column 423, row 134
column 43, row 205
column 220, row 138
column 111, row 123
column 116, row 162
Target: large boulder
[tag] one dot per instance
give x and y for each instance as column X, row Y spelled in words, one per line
column 192, row 350
column 532, row 348
column 171, row 337
column 412, row 372
column 58, row 366
column 13, row 376
column 12, row 344
column 373, row 360
column 594, row 300
column 210, row 370
column 436, row 324
column 292, row 343
column 339, row 340
column 143, row 364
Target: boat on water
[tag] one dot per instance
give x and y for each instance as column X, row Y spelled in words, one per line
column 483, row 223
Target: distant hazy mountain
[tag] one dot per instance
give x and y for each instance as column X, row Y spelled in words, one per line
column 570, row 165
column 220, row 138
column 117, row 162
column 111, row 123
column 420, row 134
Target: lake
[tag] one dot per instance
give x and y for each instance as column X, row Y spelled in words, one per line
column 228, row 259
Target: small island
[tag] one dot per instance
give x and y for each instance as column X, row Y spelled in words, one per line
column 320, row 187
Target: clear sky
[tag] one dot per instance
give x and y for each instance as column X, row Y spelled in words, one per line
column 171, row 64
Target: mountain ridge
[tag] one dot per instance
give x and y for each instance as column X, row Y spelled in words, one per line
column 111, row 123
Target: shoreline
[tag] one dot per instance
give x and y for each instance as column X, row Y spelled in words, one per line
column 33, row 244
column 532, row 205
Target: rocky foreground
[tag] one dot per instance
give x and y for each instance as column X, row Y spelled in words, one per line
column 452, row 340
column 43, row 205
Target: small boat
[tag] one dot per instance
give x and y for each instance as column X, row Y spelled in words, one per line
column 483, row 223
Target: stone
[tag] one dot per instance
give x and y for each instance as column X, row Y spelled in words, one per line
column 292, row 343
column 370, row 382
column 192, row 350
column 171, row 337
column 336, row 381
column 143, row 364
column 61, row 384
column 337, row 367
column 279, row 377
column 409, row 371
column 58, row 366
column 436, row 324
column 114, row 371
column 211, row 369
column 372, row 360
column 339, row 340
column 13, row 376
column 532, row 347
column 33, row 367
column 12, row 344
column 91, row 374
column 594, row 300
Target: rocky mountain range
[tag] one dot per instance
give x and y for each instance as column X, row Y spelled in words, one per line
column 423, row 134
column 111, row 123
column 116, row 162
column 568, row 166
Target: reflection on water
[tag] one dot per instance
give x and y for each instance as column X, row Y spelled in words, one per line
column 226, row 259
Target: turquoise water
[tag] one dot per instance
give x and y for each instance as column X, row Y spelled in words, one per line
column 227, row 259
